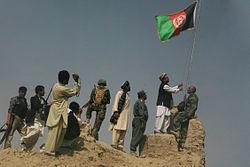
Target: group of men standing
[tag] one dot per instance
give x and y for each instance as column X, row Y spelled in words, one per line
column 58, row 118
column 36, row 117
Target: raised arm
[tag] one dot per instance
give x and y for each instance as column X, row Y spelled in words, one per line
column 72, row 92
column 169, row 89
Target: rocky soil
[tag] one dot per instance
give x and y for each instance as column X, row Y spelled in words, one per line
column 160, row 150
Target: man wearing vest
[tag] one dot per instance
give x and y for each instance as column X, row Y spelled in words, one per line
column 164, row 104
column 16, row 114
column 120, row 116
column 99, row 98
column 180, row 120
column 58, row 115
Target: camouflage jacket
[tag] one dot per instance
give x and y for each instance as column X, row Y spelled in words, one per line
column 191, row 104
column 18, row 106
column 105, row 99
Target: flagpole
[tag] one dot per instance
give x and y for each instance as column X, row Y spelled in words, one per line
column 193, row 48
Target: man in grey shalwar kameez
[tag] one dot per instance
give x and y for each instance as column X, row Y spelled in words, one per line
column 139, row 123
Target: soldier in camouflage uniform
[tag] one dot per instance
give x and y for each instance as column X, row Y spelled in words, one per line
column 16, row 114
column 180, row 120
column 99, row 98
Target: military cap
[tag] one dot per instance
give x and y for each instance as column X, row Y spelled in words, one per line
column 125, row 84
column 141, row 93
column 102, row 82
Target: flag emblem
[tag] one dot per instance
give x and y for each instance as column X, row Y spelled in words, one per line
column 179, row 21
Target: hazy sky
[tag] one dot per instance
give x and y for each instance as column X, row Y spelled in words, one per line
column 117, row 40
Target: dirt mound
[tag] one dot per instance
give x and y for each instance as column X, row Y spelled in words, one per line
column 160, row 146
column 159, row 150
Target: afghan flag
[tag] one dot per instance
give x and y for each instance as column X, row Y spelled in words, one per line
column 169, row 26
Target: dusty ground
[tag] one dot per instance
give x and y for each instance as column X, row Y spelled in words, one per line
column 159, row 151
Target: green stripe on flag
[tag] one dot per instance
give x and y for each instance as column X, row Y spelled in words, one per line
column 165, row 27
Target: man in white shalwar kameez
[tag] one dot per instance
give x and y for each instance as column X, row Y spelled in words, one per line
column 164, row 104
column 58, row 115
column 121, row 114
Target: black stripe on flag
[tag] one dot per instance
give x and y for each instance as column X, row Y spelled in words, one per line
column 189, row 16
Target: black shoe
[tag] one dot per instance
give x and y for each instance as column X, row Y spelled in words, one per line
column 114, row 146
column 157, row 132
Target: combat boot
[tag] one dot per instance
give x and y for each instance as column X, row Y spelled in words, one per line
column 114, row 146
column 180, row 147
column 176, row 134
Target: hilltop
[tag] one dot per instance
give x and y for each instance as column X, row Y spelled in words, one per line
column 159, row 151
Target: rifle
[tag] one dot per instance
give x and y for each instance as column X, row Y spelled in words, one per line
column 1, row 129
column 46, row 108
column 9, row 127
column 86, row 104
column 48, row 95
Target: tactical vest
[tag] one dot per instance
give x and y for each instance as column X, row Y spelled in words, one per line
column 21, row 107
column 99, row 94
column 164, row 97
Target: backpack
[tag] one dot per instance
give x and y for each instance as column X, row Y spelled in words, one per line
column 73, row 129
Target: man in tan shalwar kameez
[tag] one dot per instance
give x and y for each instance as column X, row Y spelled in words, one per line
column 58, row 115
column 121, row 111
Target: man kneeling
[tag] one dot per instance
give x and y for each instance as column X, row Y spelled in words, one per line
column 74, row 122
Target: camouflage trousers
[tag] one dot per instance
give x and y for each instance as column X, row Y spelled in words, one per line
column 179, row 123
column 100, row 116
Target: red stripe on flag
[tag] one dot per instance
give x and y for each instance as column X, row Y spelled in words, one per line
column 178, row 21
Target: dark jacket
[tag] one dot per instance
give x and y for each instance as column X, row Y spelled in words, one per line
column 73, row 129
column 36, row 107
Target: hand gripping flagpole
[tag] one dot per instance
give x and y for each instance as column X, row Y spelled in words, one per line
column 193, row 47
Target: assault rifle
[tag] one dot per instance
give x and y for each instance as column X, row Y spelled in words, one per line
column 45, row 109
column 2, row 129
column 88, row 102
column 8, row 129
